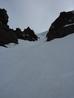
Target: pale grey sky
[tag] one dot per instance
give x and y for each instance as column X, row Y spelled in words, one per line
column 38, row 14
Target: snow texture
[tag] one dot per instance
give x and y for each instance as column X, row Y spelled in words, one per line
column 38, row 69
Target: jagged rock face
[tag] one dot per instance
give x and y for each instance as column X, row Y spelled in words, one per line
column 29, row 34
column 62, row 26
column 7, row 36
column 19, row 33
column 3, row 17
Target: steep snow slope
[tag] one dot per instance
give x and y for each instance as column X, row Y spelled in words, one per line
column 38, row 69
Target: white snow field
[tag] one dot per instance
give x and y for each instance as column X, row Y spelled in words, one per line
column 38, row 69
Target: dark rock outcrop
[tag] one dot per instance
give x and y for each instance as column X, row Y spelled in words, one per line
column 7, row 35
column 29, row 34
column 19, row 33
column 3, row 17
column 62, row 26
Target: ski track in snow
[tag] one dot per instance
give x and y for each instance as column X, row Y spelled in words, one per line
column 38, row 69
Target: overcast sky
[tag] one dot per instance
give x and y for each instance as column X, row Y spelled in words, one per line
column 38, row 14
